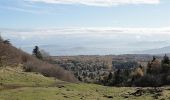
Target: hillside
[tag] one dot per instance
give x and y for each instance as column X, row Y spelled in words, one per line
column 162, row 50
column 11, row 56
column 16, row 84
column 15, row 76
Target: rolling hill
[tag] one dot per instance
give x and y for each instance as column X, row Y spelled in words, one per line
column 11, row 56
column 162, row 50
column 15, row 84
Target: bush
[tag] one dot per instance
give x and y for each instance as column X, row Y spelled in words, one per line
column 49, row 70
column 29, row 67
column 149, row 81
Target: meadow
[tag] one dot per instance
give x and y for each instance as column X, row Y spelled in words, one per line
column 18, row 85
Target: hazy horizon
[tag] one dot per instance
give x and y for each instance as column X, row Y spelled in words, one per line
column 86, row 42
column 86, row 27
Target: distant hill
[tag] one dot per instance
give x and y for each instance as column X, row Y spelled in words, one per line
column 162, row 50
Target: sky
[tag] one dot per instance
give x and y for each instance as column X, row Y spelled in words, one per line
column 86, row 26
column 84, row 13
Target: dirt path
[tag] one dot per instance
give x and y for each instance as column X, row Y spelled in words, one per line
column 16, row 86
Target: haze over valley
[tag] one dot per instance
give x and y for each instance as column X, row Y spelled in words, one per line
column 92, row 41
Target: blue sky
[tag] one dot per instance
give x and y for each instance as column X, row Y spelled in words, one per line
column 31, row 14
column 86, row 26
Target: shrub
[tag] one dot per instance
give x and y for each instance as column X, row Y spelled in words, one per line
column 29, row 67
column 35, row 65
column 148, row 81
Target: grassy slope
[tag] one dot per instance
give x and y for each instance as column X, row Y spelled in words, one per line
column 18, row 85
column 11, row 56
column 11, row 76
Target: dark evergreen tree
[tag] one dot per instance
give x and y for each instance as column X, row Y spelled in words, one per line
column 36, row 52
column 166, row 60
column 118, row 77
column 149, row 67
column 110, row 76
column 165, row 64
column 154, row 58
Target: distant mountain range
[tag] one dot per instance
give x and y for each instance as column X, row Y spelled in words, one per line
column 163, row 50
column 83, row 50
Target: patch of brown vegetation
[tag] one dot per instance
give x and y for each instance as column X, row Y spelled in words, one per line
column 156, row 92
column 12, row 56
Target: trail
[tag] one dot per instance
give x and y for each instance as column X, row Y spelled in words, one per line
column 17, row 86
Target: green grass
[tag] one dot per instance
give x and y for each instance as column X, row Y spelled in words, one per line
column 69, row 92
column 37, row 87
column 11, row 76
column 73, row 92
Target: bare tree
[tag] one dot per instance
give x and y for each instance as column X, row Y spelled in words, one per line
column 44, row 53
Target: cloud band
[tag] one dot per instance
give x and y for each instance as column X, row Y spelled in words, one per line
column 104, row 3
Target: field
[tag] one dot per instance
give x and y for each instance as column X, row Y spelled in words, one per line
column 18, row 85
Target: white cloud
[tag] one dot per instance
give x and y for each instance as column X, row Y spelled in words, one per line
column 104, row 3
column 22, row 9
column 92, row 31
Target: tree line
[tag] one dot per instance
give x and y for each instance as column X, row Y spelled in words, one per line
column 156, row 73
